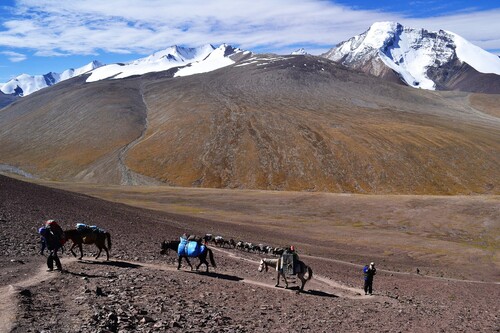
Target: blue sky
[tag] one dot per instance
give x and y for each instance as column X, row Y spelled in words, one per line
column 39, row 36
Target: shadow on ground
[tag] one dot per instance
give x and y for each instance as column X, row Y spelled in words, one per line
column 121, row 264
column 310, row 292
column 219, row 276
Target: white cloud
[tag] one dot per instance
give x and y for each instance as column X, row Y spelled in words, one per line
column 14, row 56
column 54, row 27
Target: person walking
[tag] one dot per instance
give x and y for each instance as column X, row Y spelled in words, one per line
column 369, row 272
column 53, row 242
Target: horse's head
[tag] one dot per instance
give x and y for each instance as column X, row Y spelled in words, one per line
column 164, row 248
column 262, row 265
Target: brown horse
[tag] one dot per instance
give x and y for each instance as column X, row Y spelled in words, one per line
column 88, row 237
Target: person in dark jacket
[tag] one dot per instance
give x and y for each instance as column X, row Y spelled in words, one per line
column 53, row 242
column 369, row 272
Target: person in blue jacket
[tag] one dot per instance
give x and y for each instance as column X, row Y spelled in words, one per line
column 369, row 272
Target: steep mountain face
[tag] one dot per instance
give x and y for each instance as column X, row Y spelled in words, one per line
column 25, row 84
column 265, row 122
column 422, row 59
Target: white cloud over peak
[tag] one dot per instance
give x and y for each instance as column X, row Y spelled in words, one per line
column 14, row 56
column 54, row 27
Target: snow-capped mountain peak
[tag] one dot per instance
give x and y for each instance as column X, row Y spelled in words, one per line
column 26, row 84
column 421, row 58
column 300, row 51
column 176, row 54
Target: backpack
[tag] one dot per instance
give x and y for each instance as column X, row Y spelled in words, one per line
column 56, row 230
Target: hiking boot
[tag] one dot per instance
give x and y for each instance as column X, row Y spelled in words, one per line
column 50, row 270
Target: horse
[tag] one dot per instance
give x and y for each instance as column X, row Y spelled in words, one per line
column 88, row 237
column 174, row 245
column 275, row 263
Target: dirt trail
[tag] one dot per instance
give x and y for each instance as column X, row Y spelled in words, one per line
column 319, row 282
column 8, row 304
column 129, row 177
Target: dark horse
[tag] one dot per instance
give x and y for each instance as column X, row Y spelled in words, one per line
column 174, row 245
column 88, row 237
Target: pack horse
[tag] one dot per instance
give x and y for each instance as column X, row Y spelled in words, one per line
column 84, row 234
column 189, row 249
column 300, row 269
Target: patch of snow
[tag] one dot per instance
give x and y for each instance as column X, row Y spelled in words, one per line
column 104, row 72
column 215, row 60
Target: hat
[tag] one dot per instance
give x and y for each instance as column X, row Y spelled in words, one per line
column 372, row 264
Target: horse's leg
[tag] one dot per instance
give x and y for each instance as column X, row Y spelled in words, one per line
column 179, row 263
column 99, row 253
column 189, row 263
column 80, row 246
column 303, row 280
column 199, row 264
column 71, row 249
column 203, row 260
column 107, row 252
column 286, row 282
column 277, row 280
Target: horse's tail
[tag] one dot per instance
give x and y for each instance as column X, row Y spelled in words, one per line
column 309, row 273
column 108, row 237
column 211, row 256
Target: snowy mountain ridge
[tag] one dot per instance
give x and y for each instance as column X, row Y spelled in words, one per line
column 191, row 60
column 414, row 54
column 26, row 84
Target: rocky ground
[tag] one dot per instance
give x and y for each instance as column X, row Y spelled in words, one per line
column 140, row 290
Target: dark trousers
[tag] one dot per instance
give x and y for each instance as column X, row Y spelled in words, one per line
column 368, row 286
column 53, row 258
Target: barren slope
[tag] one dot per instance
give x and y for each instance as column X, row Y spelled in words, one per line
column 72, row 130
column 303, row 124
column 284, row 123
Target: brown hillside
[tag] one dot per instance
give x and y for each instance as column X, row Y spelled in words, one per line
column 286, row 123
column 72, row 131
